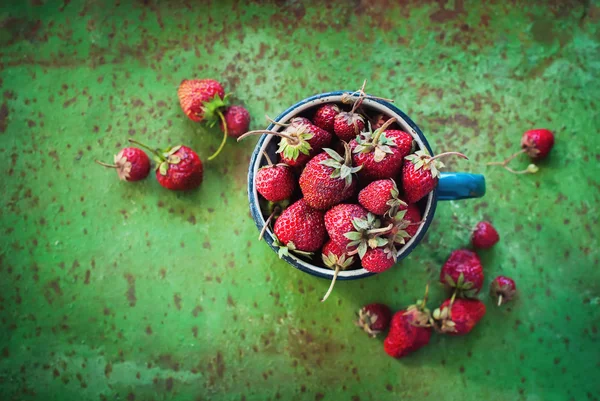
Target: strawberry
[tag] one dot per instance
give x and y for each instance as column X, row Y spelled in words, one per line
column 325, row 115
column 484, row 236
column 420, row 174
column 537, row 144
column 410, row 330
column 300, row 229
column 463, row 271
column 328, row 179
column 381, row 197
column 336, row 258
column 457, row 317
column 347, row 125
column 503, row 288
column 339, row 220
column 413, row 217
column 237, row 121
column 374, row 319
column 275, row 182
column 131, row 164
column 300, row 141
column 380, row 119
column 380, row 259
column 177, row 168
column 201, row 99
column 381, row 152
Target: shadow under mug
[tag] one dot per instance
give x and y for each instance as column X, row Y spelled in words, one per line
column 451, row 186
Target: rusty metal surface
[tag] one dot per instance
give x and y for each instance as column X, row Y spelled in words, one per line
column 127, row 291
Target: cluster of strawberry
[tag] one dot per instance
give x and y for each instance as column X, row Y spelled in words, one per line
column 179, row 168
column 411, row 328
column 359, row 181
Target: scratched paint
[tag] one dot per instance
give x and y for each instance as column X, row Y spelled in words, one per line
column 111, row 290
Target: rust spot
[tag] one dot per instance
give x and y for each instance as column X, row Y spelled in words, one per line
column 87, row 277
column 197, row 310
column 52, row 290
column 230, row 301
column 55, row 372
column 206, row 245
column 192, row 219
column 169, row 384
column 319, row 396
column 148, row 330
column 195, row 331
column 177, row 301
column 108, row 369
column 69, row 102
column 130, row 289
column 3, row 117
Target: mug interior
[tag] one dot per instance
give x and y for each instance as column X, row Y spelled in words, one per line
column 269, row 144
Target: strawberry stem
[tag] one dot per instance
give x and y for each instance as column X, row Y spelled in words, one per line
column 269, row 162
column 224, row 141
column 380, row 130
column 347, row 154
column 269, row 119
column 291, row 139
column 361, row 96
column 148, row 148
column 505, row 162
column 264, row 229
column 500, row 300
column 528, row 170
column 335, row 274
column 105, row 165
column 448, row 154
column 379, row 231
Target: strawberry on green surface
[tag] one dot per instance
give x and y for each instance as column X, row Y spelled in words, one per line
column 300, row 229
column 325, row 116
column 420, row 174
column 237, row 121
column 275, row 182
column 381, row 197
column 457, row 317
column 374, row 319
column 503, row 289
column 485, row 235
column 335, row 258
column 328, row 179
column 131, row 164
column 201, row 99
column 410, row 330
column 463, row 271
column 380, row 153
column 537, row 144
column 178, row 168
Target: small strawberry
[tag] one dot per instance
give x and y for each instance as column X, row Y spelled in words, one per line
column 299, row 143
column 485, row 235
column 131, row 164
column 348, row 125
column 457, row 317
column 328, row 179
column 380, row 119
column 374, row 319
column 335, row 258
column 177, row 168
column 413, row 217
column 325, row 115
column 381, row 197
column 381, row 153
column 201, row 99
column 503, row 288
column 380, row 259
column 339, row 220
column 300, row 229
column 410, row 330
column 275, row 182
column 420, row 174
column 537, row 144
column 237, row 121
column 463, row 271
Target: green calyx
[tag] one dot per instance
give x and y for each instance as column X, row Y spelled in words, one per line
column 442, row 318
column 365, row 321
column 334, row 262
column 368, row 234
column 342, row 166
column 421, row 159
column 166, row 158
column 421, row 314
column 284, row 250
column 296, row 141
column 394, row 203
column 465, row 289
column 211, row 109
column 375, row 142
column 398, row 233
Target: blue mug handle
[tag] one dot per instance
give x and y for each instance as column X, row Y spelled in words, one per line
column 454, row 186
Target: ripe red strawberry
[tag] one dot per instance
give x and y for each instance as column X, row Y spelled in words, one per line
column 300, row 229
column 300, row 141
column 339, row 221
column 374, row 319
column 200, row 99
column 381, row 153
column 177, row 168
column 336, row 258
column 275, row 182
column 347, row 125
column 237, row 121
column 328, row 179
column 537, row 143
column 325, row 116
column 503, row 289
column 378, row 260
column 463, row 271
column 485, row 235
column 413, row 217
column 457, row 317
column 380, row 119
column 131, row 164
column 405, row 224
column 381, row 197
column 420, row 174
column 410, row 330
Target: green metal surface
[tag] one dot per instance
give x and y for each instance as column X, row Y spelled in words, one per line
column 117, row 291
